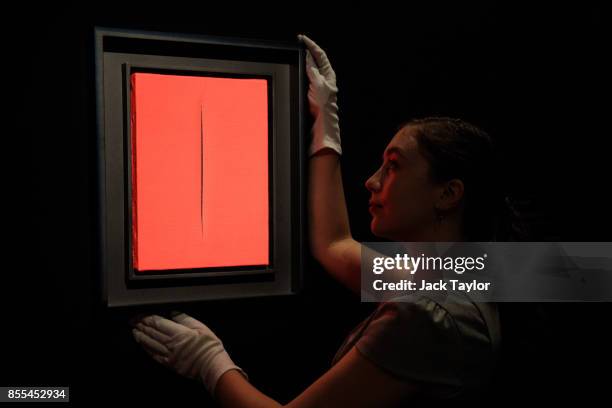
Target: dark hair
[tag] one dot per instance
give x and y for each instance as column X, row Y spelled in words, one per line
column 457, row 149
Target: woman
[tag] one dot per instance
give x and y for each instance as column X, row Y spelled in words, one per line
column 430, row 187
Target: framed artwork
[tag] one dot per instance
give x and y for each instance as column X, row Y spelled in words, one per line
column 201, row 161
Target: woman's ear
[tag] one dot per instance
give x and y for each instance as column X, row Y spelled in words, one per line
column 451, row 195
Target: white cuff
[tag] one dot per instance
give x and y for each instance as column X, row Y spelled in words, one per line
column 325, row 132
column 219, row 365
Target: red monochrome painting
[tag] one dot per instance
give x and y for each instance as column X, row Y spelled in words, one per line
column 199, row 161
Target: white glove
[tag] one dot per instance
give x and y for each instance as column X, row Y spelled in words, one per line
column 185, row 345
column 322, row 97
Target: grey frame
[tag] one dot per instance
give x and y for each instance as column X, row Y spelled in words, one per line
column 121, row 286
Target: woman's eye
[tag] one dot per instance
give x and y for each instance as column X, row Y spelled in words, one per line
column 391, row 164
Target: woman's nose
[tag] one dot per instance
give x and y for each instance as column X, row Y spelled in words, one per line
column 373, row 183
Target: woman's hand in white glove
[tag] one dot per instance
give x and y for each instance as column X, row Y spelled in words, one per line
column 322, row 97
column 185, row 345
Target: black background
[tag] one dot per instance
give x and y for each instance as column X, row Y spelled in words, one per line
column 534, row 78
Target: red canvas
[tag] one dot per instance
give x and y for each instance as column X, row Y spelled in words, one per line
column 199, row 172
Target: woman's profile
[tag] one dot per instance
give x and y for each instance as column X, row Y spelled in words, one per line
column 434, row 185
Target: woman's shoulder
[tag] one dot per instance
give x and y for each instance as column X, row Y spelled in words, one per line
column 452, row 341
column 455, row 313
column 474, row 326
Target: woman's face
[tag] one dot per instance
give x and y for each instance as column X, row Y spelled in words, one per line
column 403, row 197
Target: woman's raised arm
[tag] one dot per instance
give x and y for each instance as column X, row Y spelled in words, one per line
column 331, row 242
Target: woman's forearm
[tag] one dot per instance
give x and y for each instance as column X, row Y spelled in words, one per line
column 234, row 391
column 327, row 213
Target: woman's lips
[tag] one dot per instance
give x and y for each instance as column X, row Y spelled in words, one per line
column 374, row 208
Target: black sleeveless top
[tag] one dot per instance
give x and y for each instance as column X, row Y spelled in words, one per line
column 450, row 348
